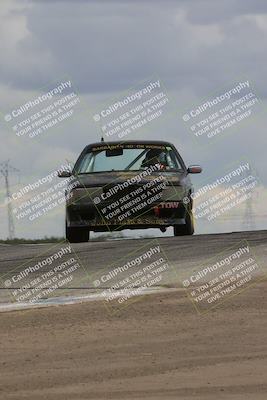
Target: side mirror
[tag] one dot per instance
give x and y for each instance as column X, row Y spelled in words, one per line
column 64, row 174
column 194, row 169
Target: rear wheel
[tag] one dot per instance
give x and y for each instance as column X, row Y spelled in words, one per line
column 77, row 235
column 187, row 228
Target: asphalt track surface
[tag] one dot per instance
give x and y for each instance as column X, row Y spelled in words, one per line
column 157, row 348
column 184, row 254
column 180, row 249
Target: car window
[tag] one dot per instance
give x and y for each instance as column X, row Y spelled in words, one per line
column 130, row 160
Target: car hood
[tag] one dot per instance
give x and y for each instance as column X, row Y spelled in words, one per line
column 104, row 178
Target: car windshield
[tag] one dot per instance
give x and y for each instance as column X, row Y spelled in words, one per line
column 128, row 159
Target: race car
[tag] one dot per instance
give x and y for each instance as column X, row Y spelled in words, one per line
column 130, row 185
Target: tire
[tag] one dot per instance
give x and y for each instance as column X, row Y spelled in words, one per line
column 77, row 235
column 187, row 228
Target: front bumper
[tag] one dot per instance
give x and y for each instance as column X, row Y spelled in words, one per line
column 157, row 216
column 132, row 208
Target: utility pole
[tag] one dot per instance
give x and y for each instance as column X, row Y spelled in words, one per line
column 5, row 169
column 248, row 222
column 248, row 217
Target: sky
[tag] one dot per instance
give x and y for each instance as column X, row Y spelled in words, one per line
column 198, row 49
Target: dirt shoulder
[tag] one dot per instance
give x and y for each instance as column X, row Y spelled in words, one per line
column 158, row 348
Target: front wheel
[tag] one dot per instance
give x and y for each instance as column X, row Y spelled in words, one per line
column 187, row 228
column 77, row 235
